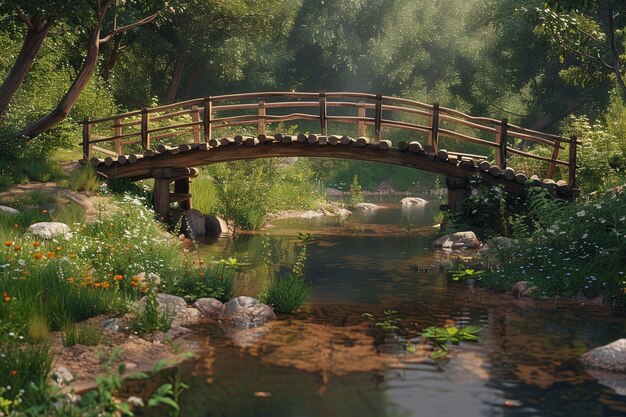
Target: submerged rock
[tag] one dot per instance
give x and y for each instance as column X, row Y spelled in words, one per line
column 246, row 312
column 48, row 230
column 210, row 308
column 458, row 240
column 311, row 214
column 9, row 210
column 413, row 202
column 367, row 207
column 522, row 289
column 610, row 358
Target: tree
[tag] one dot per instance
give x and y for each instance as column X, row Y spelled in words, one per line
column 588, row 36
column 99, row 10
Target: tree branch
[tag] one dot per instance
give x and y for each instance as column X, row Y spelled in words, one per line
column 23, row 18
column 616, row 54
column 141, row 22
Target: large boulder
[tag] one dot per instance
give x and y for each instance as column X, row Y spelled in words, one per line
column 458, row 240
column 366, row 207
column 413, row 202
column 343, row 213
column 210, row 308
column 8, row 210
column 610, row 358
column 48, row 230
column 174, row 306
column 214, row 226
column 246, row 312
column 195, row 222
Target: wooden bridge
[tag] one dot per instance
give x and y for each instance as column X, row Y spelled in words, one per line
column 165, row 142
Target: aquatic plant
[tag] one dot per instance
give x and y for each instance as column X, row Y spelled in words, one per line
column 286, row 293
column 356, row 193
column 389, row 321
column 465, row 274
column 444, row 336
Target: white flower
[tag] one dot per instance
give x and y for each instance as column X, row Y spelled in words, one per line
column 581, row 213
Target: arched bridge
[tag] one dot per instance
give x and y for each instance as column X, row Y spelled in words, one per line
column 165, row 142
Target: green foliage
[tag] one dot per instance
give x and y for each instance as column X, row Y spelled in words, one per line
column 80, row 334
column 444, row 336
column 84, row 178
column 465, row 274
column 149, row 318
column 286, row 293
column 356, row 195
column 215, row 282
column 389, row 322
column 576, row 249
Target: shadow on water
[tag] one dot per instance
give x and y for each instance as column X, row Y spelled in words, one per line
column 327, row 361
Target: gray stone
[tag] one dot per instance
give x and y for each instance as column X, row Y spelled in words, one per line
column 366, row 207
column 246, row 312
column 458, row 240
column 172, row 305
column 195, row 222
column 610, row 358
column 343, row 213
column 48, row 230
column 214, row 226
column 311, row 214
column 413, row 202
column 614, row 380
column 61, row 376
column 9, row 210
column 111, row 325
column 150, row 277
column 176, row 331
column 210, row 308
column 522, row 289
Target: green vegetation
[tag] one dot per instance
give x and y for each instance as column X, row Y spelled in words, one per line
column 202, row 282
column 149, row 319
column 81, row 334
column 444, row 336
column 84, row 178
column 356, row 195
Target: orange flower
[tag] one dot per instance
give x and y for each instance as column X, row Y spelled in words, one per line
column 201, row 273
column 202, row 262
column 8, row 243
column 59, row 249
column 70, row 279
column 110, row 234
column 17, row 248
column 36, row 243
column 135, row 278
column 37, row 255
column 96, row 285
column 50, row 255
column 4, row 294
column 7, row 299
column 110, row 224
column 105, row 285
column 17, row 226
column 44, row 211
column 72, row 255
column 134, row 283
column 14, row 372
column 118, row 277
column 22, row 278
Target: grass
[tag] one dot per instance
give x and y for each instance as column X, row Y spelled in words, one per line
column 81, row 334
column 83, row 178
column 149, row 318
column 287, row 293
column 205, row 282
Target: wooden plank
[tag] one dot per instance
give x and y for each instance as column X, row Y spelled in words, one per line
column 323, row 114
column 261, row 118
column 530, row 155
column 86, row 139
column 571, row 181
column 378, row 118
column 502, row 143
column 206, row 118
column 145, row 135
column 104, row 151
column 361, row 123
column 195, row 118
column 433, row 135
column 117, row 132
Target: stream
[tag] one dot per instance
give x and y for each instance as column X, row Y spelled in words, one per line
column 327, row 360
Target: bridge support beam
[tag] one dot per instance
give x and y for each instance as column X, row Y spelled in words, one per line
column 162, row 197
column 457, row 192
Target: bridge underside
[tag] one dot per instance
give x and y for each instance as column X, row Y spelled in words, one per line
column 172, row 164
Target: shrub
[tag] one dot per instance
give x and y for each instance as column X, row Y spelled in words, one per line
column 287, row 293
column 216, row 282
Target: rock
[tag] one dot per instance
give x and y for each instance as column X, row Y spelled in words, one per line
column 328, row 213
column 48, row 230
column 195, row 222
column 210, row 308
column 175, row 306
column 413, row 202
column 150, row 277
column 343, row 213
column 385, row 188
column 311, row 214
column 61, row 376
column 247, row 312
column 458, row 240
column 615, row 381
column 334, row 192
column 214, row 226
column 610, row 358
column 521, row 289
column 176, row 331
column 111, row 325
column 594, row 301
column 9, row 210
column 366, row 207
column 500, row 243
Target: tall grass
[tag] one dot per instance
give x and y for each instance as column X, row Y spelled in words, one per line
column 214, row 282
column 84, row 178
column 287, row 293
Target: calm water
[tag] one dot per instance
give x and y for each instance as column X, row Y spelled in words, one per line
column 327, row 361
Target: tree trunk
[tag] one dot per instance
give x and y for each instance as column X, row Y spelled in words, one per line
column 106, row 72
column 65, row 106
column 177, row 75
column 191, row 79
column 35, row 36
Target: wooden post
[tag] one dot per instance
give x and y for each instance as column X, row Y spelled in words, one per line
column 361, row 123
column 433, row 135
column 181, row 186
column 195, row 129
column 145, row 136
column 501, row 141
column 378, row 118
column 555, row 156
column 261, row 119
column 161, row 198
column 572, row 162
column 86, row 139
column 208, row 109
column 323, row 121
column 117, row 132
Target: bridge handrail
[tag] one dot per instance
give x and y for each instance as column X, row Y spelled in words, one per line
column 204, row 118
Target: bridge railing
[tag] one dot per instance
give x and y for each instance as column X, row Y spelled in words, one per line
column 199, row 119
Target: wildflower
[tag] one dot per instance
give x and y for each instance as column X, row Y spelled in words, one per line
column 70, row 280
column 37, row 255
column 96, row 285
column 118, row 277
column 8, row 243
column 50, row 255
column 105, row 285
column 17, row 226
column 36, row 243
column 134, row 283
column 581, row 213
column 7, row 298
column 44, row 211
column 17, row 248
column 14, row 372
column 201, row 273
column 59, row 249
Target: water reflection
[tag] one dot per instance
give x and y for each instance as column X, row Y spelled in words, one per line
column 327, row 361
